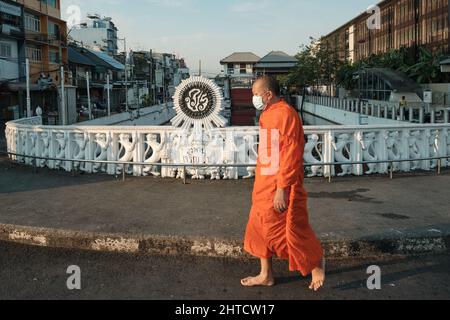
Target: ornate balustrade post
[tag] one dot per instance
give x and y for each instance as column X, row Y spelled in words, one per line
column 426, row 144
column 411, row 114
column 446, row 146
column 394, row 111
column 328, row 153
column 139, row 153
column 382, row 150
column 405, row 150
column 421, row 115
column 357, row 152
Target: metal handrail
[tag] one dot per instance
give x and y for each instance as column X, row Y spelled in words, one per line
column 184, row 165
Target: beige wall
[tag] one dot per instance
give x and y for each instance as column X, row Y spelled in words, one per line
column 42, row 7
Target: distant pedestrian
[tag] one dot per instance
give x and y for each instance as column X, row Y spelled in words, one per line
column 404, row 107
column 38, row 111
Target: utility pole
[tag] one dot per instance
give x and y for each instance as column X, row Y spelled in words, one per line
column 151, row 89
column 63, row 99
column 108, row 95
column 200, row 67
column 88, row 95
column 126, row 72
column 27, row 63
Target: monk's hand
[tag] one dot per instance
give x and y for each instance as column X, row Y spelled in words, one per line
column 279, row 202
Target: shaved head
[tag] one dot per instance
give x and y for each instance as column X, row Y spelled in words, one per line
column 270, row 84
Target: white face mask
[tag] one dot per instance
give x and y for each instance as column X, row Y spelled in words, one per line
column 258, row 103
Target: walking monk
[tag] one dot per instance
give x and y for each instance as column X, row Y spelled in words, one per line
column 279, row 222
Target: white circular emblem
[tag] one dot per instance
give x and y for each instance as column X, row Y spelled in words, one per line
column 198, row 103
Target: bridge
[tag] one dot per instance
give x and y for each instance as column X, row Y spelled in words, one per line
column 224, row 153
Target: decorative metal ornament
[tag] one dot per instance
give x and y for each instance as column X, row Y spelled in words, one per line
column 198, row 103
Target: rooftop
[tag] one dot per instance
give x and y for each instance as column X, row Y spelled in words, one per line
column 277, row 59
column 244, row 57
column 106, row 59
column 77, row 57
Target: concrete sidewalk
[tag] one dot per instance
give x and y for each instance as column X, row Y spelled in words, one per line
column 353, row 216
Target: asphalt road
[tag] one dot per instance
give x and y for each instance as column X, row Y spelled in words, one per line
column 40, row 273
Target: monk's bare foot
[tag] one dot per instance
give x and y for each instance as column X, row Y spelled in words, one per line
column 261, row 280
column 318, row 277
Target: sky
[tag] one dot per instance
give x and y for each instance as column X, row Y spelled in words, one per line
column 210, row 30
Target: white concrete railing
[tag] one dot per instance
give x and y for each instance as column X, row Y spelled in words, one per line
column 227, row 146
column 383, row 109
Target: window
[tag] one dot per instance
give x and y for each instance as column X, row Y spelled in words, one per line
column 51, row 3
column 34, row 54
column 53, row 29
column 32, row 23
column 53, row 56
column 10, row 20
column 243, row 68
column 5, row 50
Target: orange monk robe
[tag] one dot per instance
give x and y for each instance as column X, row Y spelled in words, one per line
column 287, row 235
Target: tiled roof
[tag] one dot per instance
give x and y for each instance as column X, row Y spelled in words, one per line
column 244, row 57
column 277, row 56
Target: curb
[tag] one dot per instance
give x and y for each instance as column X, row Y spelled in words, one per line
column 207, row 247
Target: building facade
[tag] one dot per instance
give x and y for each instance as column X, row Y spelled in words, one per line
column 403, row 23
column 12, row 50
column 84, row 62
column 98, row 33
column 240, row 64
column 39, row 35
column 239, row 74
column 154, row 76
column 46, row 45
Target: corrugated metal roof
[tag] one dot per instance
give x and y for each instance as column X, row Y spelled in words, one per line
column 247, row 57
column 77, row 57
column 109, row 60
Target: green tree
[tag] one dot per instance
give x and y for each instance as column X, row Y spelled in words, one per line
column 427, row 68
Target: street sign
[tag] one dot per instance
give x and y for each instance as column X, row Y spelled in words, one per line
column 428, row 96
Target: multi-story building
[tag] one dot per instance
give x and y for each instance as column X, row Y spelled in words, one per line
column 153, row 76
column 403, row 23
column 239, row 67
column 98, row 65
column 43, row 43
column 238, row 76
column 98, row 33
column 12, row 40
column 46, row 45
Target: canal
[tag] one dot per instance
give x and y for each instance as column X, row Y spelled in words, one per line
column 313, row 120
